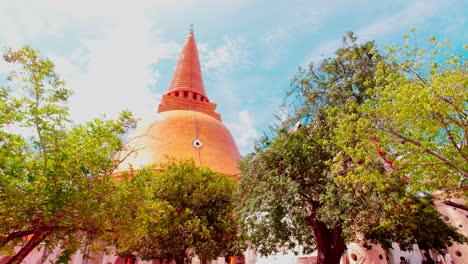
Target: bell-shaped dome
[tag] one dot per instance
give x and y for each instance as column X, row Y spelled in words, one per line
column 184, row 135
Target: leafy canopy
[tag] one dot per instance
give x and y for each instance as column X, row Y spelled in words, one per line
column 416, row 116
column 55, row 176
column 181, row 211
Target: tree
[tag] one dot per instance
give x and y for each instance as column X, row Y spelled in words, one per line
column 417, row 116
column 302, row 187
column 55, row 176
column 182, row 211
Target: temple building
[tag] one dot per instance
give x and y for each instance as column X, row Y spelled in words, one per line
column 186, row 126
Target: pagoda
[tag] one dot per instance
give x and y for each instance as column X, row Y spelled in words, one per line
column 186, row 126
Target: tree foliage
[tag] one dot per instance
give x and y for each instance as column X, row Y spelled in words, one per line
column 313, row 184
column 417, row 117
column 183, row 211
column 55, row 176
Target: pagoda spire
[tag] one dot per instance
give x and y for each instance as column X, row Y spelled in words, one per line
column 186, row 90
column 187, row 76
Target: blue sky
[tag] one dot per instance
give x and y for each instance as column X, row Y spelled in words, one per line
column 121, row 54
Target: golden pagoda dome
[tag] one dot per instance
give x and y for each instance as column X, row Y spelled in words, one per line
column 186, row 126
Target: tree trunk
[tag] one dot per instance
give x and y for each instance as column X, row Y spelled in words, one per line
column 37, row 238
column 330, row 242
column 179, row 260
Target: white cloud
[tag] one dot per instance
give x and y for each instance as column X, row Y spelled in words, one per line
column 118, row 73
column 230, row 55
column 411, row 15
column 4, row 67
column 109, row 66
column 416, row 12
column 221, row 66
column 243, row 131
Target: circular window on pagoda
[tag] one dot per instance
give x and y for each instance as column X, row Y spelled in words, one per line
column 458, row 253
column 353, row 256
column 446, row 218
column 197, row 143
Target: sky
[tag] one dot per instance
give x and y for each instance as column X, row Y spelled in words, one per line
column 119, row 55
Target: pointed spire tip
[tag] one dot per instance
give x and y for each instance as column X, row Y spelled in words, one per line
column 187, row 75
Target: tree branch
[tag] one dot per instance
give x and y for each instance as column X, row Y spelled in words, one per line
column 14, row 235
column 450, row 135
column 418, row 76
column 431, row 152
column 461, row 115
column 37, row 238
column 456, row 205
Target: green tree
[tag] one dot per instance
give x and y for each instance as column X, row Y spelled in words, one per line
column 417, row 117
column 55, row 176
column 298, row 187
column 182, row 211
